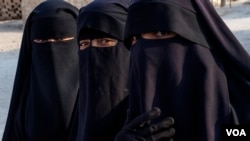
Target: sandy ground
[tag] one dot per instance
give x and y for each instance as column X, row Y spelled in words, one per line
column 237, row 17
column 10, row 38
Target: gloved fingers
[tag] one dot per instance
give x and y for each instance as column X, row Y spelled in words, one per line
column 169, row 133
column 144, row 118
column 156, row 127
column 165, row 123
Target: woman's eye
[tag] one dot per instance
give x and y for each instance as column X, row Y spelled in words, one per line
column 51, row 40
column 158, row 35
column 38, row 41
column 67, row 38
column 84, row 44
column 104, row 42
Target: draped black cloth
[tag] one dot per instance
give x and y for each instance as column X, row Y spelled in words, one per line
column 103, row 94
column 201, row 77
column 47, row 76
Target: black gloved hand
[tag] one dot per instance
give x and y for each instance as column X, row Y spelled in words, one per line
column 140, row 129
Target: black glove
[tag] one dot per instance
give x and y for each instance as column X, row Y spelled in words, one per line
column 140, row 129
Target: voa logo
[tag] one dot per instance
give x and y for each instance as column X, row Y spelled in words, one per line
column 236, row 132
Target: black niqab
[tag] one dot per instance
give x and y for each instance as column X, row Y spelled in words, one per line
column 103, row 90
column 47, row 79
column 199, row 85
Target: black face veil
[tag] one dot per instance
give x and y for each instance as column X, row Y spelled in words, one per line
column 200, row 77
column 103, row 90
column 46, row 82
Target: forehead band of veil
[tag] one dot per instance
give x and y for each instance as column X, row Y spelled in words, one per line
column 112, row 18
column 159, row 15
column 53, row 26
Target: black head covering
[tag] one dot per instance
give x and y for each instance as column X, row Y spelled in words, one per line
column 175, row 13
column 103, row 73
column 47, row 79
column 198, row 77
column 112, row 14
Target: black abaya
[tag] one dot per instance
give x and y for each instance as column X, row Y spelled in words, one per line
column 103, row 94
column 46, row 82
column 198, row 77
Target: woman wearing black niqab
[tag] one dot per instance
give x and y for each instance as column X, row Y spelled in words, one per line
column 186, row 61
column 46, row 81
column 104, row 62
